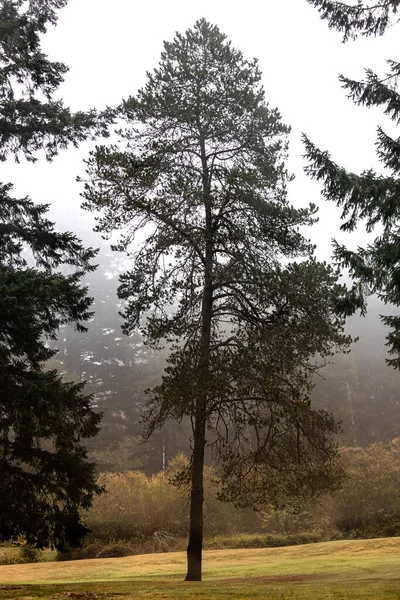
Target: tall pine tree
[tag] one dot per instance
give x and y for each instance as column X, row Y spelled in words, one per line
column 370, row 197
column 200, row 172
column 45, row 477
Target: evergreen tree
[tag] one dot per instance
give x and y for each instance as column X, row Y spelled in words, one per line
column 372, row 17
column 30, row 118
column 370, row 197
column 45, row 477
column 200, row 172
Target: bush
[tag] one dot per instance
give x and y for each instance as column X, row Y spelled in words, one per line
column 140, row 508
column 97, row 549
column 288, row 520
column 135, row 507
column 262, row 540
column 21, row 555
column 368, row 505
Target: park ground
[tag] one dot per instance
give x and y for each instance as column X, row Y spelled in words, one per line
column 342, row 570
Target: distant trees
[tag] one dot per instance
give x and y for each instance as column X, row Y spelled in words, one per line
column 200, row 172
column 45, row 478
column 370, row 197
column 368, row 503
column 117, row 369
column 358, row 389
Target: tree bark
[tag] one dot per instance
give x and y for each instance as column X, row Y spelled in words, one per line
column 195, row 547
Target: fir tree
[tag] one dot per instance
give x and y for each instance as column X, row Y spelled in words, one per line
column 363, row 18
column 201, row 168
column 370, row 197
column 45, row 477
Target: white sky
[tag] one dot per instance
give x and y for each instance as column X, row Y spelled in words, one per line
column 109, row 46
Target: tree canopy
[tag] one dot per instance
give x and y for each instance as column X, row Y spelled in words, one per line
column 45, row 477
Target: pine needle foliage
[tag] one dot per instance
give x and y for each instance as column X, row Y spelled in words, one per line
column 366, row 18
column 370, row 197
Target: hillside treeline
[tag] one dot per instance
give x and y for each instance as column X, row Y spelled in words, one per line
column 147, row 513
column 357, row 388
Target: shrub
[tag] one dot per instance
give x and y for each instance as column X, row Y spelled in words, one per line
column 97, row 549
column 368, row 505
column 135, row 507
column 287, row 520
column 262, row 540
column 140, row 508
column 21, row 555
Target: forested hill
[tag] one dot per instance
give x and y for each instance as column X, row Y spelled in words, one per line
column 117, row 369
column 358, row 388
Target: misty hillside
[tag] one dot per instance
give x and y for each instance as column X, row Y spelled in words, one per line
column 358, row 388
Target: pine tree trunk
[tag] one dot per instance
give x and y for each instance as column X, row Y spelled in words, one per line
column 195, row 547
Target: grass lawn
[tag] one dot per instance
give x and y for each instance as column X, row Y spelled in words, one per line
column 358, row 570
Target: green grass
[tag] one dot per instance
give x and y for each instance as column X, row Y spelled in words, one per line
column 357, row 570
